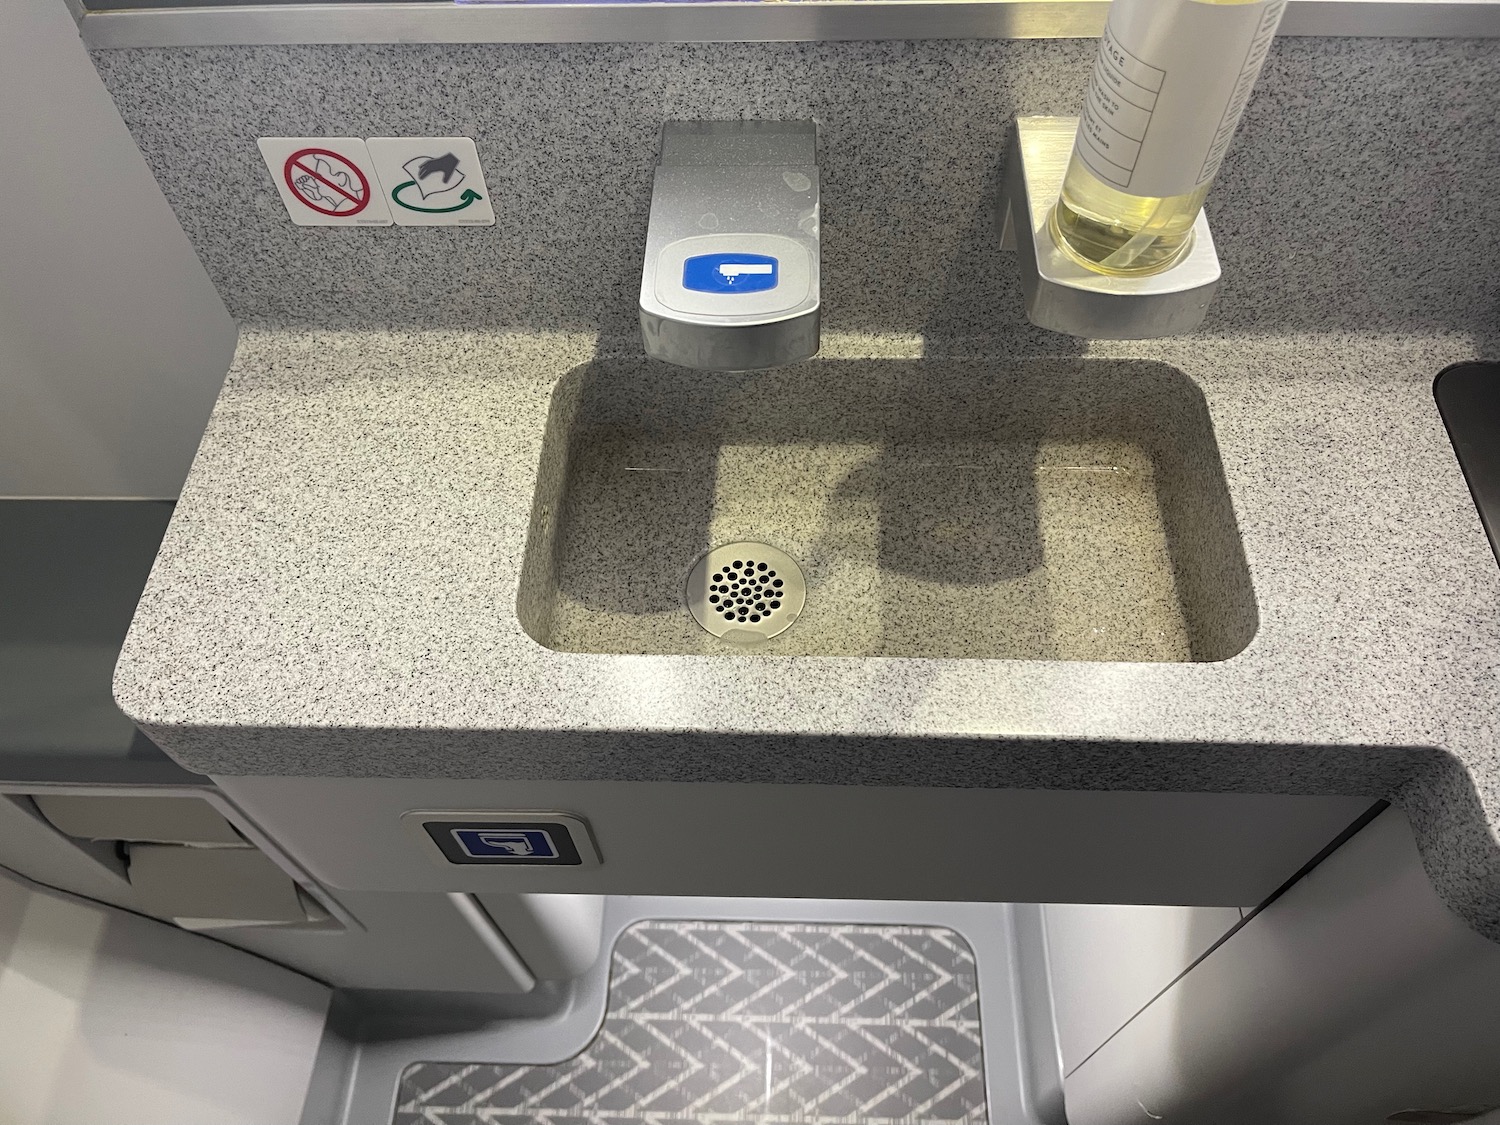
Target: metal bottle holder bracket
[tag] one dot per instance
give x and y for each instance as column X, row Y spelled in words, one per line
column 1061, row 294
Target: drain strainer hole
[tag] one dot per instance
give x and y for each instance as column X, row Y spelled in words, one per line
column 746, row 592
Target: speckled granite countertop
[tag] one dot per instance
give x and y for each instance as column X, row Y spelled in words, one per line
column 336, row 597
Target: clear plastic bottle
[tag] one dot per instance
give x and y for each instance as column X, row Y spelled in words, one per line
column 1169, row 86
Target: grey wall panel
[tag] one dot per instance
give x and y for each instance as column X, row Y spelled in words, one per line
column 1354, row 996
column 112, row 340
column 70, row 574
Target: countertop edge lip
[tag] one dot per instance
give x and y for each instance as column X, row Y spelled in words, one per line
column 178, row 725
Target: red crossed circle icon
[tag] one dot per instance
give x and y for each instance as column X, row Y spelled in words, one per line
column 326, row 182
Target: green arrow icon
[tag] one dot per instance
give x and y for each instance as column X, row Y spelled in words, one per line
column 469, row 196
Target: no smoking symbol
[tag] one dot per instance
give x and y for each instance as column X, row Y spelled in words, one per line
column 327, row 182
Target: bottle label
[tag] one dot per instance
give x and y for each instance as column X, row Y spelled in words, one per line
column 1168, row 88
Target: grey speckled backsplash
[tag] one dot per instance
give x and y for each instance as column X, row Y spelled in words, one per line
column 1357, row 196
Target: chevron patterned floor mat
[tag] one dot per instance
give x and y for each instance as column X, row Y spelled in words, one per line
column 748, row 1023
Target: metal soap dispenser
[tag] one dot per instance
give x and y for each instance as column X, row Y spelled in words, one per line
column 730, row 281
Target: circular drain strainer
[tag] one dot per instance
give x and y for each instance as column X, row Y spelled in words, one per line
column 746, row 592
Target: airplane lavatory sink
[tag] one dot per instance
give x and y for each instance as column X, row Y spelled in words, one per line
column 1058, row 509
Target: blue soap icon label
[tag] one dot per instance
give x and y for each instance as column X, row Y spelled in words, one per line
column 731, row 273
column 506, row 843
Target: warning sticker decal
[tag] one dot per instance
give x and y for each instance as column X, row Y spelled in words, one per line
column 326, row 181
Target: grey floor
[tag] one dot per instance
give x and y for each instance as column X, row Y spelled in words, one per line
column 749, row 1022
column 870, row 1012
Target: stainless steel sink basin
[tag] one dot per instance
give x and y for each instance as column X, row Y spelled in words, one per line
column 1036, row 510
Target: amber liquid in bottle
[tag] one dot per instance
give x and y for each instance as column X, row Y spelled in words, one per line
column 1111, row 231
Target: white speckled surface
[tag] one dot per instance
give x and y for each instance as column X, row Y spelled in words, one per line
column 337, row 593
